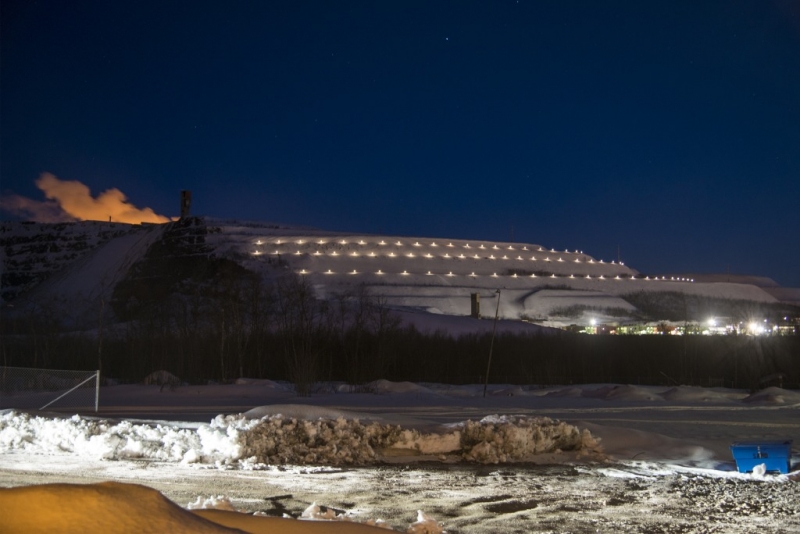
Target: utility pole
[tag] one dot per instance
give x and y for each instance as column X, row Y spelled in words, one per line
column 491, row 345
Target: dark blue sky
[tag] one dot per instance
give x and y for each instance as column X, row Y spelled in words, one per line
column 670, row 129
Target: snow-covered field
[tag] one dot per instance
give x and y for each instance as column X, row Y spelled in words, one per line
column 589, row 458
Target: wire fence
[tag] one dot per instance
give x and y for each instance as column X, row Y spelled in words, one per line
column 39, row 389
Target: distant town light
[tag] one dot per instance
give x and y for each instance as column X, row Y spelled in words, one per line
column 258, row 242
column 354, row 272
column 379, row 272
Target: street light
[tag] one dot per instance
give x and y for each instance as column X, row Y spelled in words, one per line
column 491, row 344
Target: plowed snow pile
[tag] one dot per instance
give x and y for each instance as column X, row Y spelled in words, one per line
column 235, row 439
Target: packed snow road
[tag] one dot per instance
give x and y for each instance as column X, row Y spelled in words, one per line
column 623, row 498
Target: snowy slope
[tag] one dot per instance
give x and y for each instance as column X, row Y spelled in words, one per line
column 439, row 274
column 416, row 274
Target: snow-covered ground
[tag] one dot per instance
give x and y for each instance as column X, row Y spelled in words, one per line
column 588, row 458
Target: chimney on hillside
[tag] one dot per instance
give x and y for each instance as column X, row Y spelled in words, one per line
column 475, row 308
column 186, row 203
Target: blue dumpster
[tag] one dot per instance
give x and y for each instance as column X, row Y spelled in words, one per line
column 775, row 455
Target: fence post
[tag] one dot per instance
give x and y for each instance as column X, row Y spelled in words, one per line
column 97, row 392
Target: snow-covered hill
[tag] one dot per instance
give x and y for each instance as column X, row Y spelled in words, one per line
column 72, row 261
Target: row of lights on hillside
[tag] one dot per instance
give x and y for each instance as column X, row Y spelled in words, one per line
column 432, row 244
column 380, row 272
column 445, row 256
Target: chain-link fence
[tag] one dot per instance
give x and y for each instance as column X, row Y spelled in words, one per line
column 39, row 389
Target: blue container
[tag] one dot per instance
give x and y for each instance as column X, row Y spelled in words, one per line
column 774, row 454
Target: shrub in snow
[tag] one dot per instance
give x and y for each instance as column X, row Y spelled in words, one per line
column 162, row 378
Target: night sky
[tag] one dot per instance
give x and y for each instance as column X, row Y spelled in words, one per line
column 669, row 130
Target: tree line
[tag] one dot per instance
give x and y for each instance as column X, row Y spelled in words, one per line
column 246, row 327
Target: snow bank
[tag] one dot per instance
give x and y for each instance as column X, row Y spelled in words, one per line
column 250, row 443
column 774, row 395
column 692, row 394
